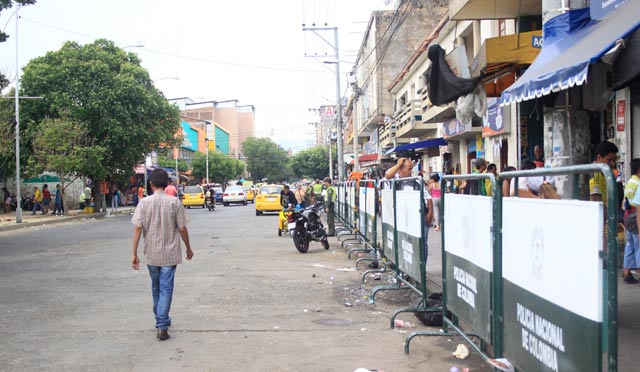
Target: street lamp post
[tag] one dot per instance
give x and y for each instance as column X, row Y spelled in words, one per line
column 18, row 193
column 206, row 141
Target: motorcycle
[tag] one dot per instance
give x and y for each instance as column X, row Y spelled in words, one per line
column 210, row 203
column 305, row 226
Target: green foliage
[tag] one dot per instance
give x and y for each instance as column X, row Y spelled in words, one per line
column 266, row 159
column 169, row 162
column 313, row 163
column 104, row 89
column 222, row 168
column 63, row 146
column 6, row 4
column 7, row 137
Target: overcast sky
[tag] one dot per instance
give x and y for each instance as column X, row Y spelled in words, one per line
column 250, row 50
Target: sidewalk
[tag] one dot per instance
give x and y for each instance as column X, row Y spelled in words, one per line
column 8, row 220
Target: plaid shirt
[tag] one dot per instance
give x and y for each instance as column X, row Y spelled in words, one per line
column 160, row 216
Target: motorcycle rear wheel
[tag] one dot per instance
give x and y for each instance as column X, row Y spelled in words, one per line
column 301, row 242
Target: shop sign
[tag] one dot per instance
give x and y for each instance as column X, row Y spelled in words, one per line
column 493, row 122
column 454, row 127
column 620, row 109
column 599, row 8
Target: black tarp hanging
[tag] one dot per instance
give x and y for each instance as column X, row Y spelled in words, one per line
column 444, row 86
column 627, row 67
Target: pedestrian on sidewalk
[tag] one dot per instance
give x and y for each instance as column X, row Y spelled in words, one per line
column 162, row 220
column 632, row 247
column 330, row 200
column 6, row 199
column 58, row 208
column 115, row 199
column 37, row 200
column 46, row 198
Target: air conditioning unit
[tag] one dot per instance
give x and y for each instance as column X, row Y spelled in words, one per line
column 598, row 89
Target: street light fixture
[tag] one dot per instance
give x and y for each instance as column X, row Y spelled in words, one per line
column 134, row 46
column 167, row 78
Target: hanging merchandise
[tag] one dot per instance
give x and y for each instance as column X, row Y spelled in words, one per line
column 444, row 86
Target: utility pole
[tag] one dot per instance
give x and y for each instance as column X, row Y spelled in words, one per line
column 338, row 110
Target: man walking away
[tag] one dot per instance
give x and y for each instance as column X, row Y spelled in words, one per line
column 329, row 203
column 162, row 220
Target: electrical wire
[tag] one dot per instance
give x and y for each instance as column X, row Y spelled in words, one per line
column 193, row 58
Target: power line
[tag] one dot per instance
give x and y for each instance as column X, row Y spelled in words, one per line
column 194, row 58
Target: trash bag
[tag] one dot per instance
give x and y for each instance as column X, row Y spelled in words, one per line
column 430, row 318
column 444, row 86
column 471, row 105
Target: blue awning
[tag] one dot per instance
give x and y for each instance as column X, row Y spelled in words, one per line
column 434, row 142
column 564, row 59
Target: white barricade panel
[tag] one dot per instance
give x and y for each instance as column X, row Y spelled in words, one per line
column 352, row 203
column 370, row 212
column 409, row 229
column 362, row 218
column 468, row 242
column 553, row 283
column 387, row 224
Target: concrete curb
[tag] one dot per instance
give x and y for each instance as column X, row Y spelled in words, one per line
column 61, row 219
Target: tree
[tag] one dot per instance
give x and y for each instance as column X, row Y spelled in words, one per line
column 222, row 168
column 104, row 89
column 7, row 138
column 169, row 162
column 265, row 159
column 313, row 163
column 64, row 147
column 6, row 4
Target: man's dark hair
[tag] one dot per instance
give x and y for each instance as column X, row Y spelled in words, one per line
column 635, row 166
column 604, row 148
column 159, row 178
column 491, row 167
column 286, row 187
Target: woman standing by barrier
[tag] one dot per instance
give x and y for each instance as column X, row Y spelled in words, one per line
column 435, row 191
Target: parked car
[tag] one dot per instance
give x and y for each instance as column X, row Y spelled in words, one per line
column 234, row 194
column 268, row 199
column 193, row 196
column 251, row 194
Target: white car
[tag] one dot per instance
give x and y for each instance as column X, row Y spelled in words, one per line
column 234, row 194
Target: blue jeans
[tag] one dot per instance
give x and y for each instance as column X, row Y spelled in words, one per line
column 162, row 292
column 631, row 251
column 37, row 206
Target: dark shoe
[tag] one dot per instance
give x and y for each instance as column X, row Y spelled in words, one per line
column 163, row 334
column 373, row 265
column 629, row 279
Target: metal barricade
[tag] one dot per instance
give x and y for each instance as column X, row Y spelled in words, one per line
column 542, row 315
column 467, row 262
column 367, row 220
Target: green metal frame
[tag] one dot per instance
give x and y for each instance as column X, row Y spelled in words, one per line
column 453, row 323
column 368, row 244
column 399, row 276
column 609, row 339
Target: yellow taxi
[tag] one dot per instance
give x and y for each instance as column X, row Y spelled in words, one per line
column 193, row 196
column 268, row 199
column 251, row 194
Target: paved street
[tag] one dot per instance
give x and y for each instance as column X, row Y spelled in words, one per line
column 247, row 302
